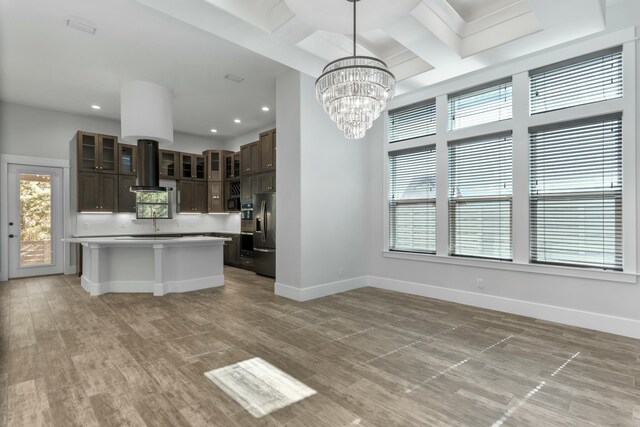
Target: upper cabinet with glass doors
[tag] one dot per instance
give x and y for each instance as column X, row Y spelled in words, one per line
column 215, row 164
column 97, row 153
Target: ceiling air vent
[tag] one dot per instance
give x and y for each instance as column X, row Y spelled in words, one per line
column 233, row 78
column 78, row 25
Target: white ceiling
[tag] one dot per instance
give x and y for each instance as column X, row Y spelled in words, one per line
column 190, row 45
column 45, row 63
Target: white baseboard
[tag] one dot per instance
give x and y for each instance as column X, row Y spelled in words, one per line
column 193, row 284
column 318, row 291
column 158, row 289
column 568, row 316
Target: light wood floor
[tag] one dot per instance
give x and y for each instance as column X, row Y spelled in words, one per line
column 375, row 358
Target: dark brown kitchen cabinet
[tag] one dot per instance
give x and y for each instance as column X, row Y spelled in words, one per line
column 232, row 165
column 97, row 153
column 215, row 200
column 127, row 159
column 246, row 188
column 232, row 250
column 192, row 166
column 126, row 198
column 267, row 183
column 169, row 164
column 192, row 197
column 268, row 150
column 250, row 158
column 97, row 192
column 216, row 164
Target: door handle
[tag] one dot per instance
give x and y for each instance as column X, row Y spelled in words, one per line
column 11, row 236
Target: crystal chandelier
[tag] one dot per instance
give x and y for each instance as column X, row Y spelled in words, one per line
column 354, row 90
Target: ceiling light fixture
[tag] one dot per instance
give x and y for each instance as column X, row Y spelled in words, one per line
column 77, row 25
column 265, row 108
column 95, row 107
column 354, row 90
column 237, row 121
column 214, row 130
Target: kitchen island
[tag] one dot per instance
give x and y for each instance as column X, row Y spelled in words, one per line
column 158, row 265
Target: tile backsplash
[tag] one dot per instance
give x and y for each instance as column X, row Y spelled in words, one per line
column 126, row 224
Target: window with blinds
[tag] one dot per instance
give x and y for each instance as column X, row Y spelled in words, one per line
column 591, row 78
column 480, row 189
column 576, row 193
column 483, row 104
column 412, row 200
column 413, row 121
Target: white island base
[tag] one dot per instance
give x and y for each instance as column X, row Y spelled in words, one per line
column 159, row 266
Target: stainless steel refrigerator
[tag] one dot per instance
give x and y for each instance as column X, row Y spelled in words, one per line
column 264, row 236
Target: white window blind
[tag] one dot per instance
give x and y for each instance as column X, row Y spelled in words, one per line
column 412, row 200
column 483, row 104
column 591, row 78
column 413, row 121
column 480, row 189
column 576, row 193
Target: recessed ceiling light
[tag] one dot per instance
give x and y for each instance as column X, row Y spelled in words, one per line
column 95, row 107
column 82, row 26
column 237, row 121
column 265, row 108
column 214, row 130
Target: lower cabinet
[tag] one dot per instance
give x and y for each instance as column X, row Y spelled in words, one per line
column 126, row 198
column 231, row 248
column 97, row 192
column 192, row 197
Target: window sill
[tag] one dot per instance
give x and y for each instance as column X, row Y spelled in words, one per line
column 576, row 272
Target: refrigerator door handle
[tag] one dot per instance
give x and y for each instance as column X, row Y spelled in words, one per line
column 263, row 209
column 264, row 250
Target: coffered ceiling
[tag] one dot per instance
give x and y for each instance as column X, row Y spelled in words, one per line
column 423, row 41
column 190, row 46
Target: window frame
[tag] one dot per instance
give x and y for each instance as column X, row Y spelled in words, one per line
column 406, row 202
column 522, row 120
column 453, row 201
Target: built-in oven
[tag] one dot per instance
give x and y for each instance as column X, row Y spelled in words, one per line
column 246, row 217
column 246, row 250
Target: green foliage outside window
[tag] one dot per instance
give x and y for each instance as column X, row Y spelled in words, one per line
column 151, row 205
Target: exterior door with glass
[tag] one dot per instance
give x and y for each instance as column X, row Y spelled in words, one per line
column 35, row 221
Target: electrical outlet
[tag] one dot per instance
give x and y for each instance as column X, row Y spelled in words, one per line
column 340, row 271
column 480, row 283
column 85, row 226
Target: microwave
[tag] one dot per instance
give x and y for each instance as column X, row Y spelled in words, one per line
column 233, row 204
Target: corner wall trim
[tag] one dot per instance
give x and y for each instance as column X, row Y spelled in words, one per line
column 567, row 316
column 318, row 291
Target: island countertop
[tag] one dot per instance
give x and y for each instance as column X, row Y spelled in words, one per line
column 147, row 240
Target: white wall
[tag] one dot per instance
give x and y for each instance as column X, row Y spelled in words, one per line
column 234, row 144
column 564, row 295
column 322, row 197
column 32, row 131
column 288, row 194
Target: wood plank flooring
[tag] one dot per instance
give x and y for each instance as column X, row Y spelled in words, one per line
column 375, row 358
